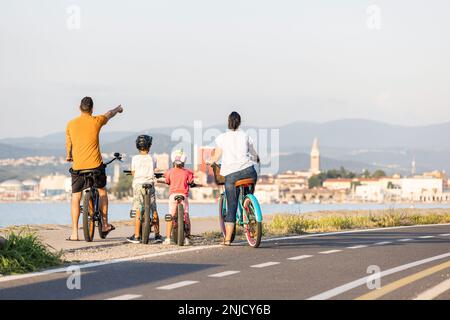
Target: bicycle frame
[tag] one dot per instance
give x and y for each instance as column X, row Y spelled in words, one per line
column 96, row 199
column 90, row 218
column 243, row 194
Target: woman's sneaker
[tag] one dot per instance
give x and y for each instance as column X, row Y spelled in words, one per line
column 133, row 239
column 187, row 242
column 168, row 241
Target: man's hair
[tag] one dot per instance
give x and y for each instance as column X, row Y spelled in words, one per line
column 87, row 104
column 234, row 120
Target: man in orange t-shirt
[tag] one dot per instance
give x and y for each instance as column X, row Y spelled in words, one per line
column 83, row 149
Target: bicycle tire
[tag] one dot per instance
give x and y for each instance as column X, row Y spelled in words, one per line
column 222, row 213
column 253, row 225
column 100, row 226
column 180, row 220
column 146, row 222
column 88, row 217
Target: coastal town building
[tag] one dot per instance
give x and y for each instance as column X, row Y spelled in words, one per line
column 315, row 158
column 162, row 161
column 268, row 193
column 55, row 185
column 338, row 184
column 11, row 190
column 202, row 154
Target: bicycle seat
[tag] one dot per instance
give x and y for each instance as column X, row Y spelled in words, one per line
column 245, row 182
column 179, row 198
column 159, row 175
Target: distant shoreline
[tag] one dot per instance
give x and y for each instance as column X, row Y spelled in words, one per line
column 214, row 201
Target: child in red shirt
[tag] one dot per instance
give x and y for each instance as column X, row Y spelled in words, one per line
column 179, row 179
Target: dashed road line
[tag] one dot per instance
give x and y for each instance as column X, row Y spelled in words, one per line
column 405, row 240
column 266, row 264
column 426, row 237
column 382, row 243
column 223, row 274
column 126, row 297
column 305, row 256
column 177, row 285
column 358, row 247
column 434, row 292
column 444, row 235
column 330, row 251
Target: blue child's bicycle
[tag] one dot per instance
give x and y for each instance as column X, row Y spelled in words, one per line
column 249, row 215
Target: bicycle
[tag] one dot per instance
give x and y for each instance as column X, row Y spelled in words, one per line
column 146, row 217
column 180, row 227
column 249, row 214
column 90, row 204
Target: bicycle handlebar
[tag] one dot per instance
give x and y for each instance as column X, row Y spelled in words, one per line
column 192, row 185
column 117, row 156
column 158, row 175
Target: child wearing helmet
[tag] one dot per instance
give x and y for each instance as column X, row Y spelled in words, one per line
column 179, row 179
column 143, row 172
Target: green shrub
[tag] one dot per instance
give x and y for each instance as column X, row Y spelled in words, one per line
column 24, row 252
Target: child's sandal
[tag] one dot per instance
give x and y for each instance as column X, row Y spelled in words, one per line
column 226, row 243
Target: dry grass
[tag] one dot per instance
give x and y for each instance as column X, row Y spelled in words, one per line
column 290, row 224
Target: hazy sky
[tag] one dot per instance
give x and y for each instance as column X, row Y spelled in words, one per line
column 175, row 61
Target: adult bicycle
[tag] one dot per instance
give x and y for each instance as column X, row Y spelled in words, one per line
column 90, row 208
column 249, row 214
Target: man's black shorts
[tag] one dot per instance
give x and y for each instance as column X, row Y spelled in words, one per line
column 80, row 182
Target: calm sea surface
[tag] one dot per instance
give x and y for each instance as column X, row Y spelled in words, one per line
column 59, row 213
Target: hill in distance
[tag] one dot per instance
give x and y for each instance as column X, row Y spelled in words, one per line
column 353, row 143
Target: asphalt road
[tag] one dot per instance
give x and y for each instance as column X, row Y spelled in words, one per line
column 414, row 263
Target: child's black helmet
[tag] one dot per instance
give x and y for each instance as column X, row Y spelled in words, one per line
column 144, row 142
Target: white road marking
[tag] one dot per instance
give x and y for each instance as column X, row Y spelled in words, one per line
column 362, row 281
column 404, row 240
column 266, row 264
column 103, row 263
column 305, row 256
column 358, row 247
column 426, row 237
column 444, row 235
column 223, row 274
column 330, row 251
column 126, row 297
column 434, row 292
column 353, row 231
column 382, row 243
column 177, row 285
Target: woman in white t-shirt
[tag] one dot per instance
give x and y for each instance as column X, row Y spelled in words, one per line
column 238, row 152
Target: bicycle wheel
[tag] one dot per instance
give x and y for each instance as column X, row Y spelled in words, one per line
column 180, row 220
column 252, row 221
column 146, row 220
column 100, row 226
column 222, row 213
column 88, row 216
